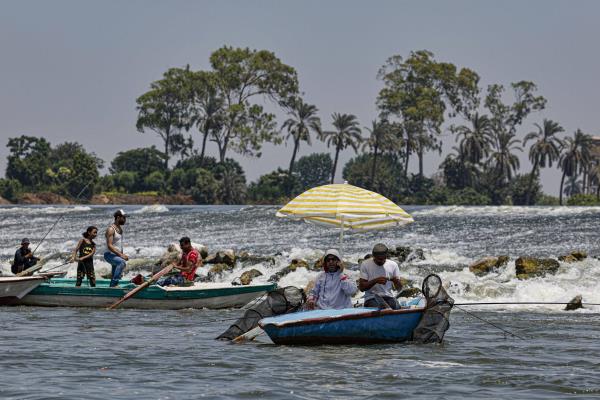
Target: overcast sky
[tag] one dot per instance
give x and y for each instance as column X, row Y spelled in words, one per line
column 71, row 70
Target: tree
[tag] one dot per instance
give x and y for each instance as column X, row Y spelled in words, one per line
column 357, row 171
column 303, row 119
column 28, row 161
column 476, row 139
column 383, row 138
column 72, row 169
column 274, row 187
column 313, row 170
column 208, row 110
column 232, row 182
column 525, row 190
column 573, row 186
column 165, row 108
column 182, row 146
column 544, row 151
column 205, row 187
column 576, row 153
column 503, row 162
column 243, row 75
column 418, row 90
column 346, row 134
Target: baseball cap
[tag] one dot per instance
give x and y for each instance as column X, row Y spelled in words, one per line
column 25, row 240
column 119, row 213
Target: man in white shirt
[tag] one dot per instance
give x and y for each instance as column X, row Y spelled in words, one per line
column 376, row 277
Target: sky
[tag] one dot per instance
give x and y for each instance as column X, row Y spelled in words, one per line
column 71, row 70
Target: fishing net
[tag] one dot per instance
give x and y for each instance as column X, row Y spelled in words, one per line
column 280, row 301
column 435, row 321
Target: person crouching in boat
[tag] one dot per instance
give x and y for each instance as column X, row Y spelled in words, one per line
column 376, row 277
column 84, row 255
column 333, row 289
column 24, row 258
column 114, row 254
column 188, row 263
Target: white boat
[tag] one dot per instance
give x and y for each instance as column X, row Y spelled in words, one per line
column 17, row 287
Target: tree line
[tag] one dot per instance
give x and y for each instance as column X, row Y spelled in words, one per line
column 422, row 100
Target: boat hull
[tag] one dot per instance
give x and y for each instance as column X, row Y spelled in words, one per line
column 348, row 326
column 17, row 287
column 64, row 294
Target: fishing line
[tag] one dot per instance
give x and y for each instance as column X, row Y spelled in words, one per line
column 59, row 218
column 488, row 322
column 57, row 266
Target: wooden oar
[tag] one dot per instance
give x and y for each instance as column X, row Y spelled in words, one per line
column 143, row 286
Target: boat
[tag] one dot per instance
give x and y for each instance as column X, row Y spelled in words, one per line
column 16, row 287
column 64, row 293
column 345, row 326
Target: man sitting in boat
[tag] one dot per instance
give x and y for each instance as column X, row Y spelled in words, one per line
column 187, row 265
column 333, row 289
column 376, row 277
column 24, row 258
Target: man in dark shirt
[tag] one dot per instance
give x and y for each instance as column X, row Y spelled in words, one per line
column 24, row 258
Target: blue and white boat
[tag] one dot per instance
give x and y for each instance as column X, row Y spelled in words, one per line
column 345, row 326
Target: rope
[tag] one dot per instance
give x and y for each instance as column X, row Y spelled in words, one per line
column 522, row 303
column 489, row 323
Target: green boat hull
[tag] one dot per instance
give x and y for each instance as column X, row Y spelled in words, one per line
column 64, row 293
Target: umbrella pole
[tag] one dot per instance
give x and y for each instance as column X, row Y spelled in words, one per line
column 342, row 237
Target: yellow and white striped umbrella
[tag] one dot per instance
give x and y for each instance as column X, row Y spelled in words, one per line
column 345, row 206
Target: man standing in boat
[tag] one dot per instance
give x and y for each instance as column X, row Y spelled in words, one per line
column 376, row 277
column 24, row 258
column 114, row 254
column 187, row 265
column 333, row 289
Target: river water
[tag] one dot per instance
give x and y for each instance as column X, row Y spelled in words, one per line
column 131, row 354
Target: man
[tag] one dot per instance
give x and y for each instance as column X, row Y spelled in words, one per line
column 114, row 254
column 333, row 289
column 188, row 263
column 376, row 277
column 24, row 258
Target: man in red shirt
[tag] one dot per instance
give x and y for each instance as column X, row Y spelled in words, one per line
column 187, row 265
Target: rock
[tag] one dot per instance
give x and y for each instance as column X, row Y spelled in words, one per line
column 221, row 257
column 575, row 303
column 574, row 256
column 529, row 267
column 407, row 254
column 294, row 265
column 487, row 265
column 3, row 201
column 217, row 270
column 100, row 199
column 247, row 276
column 170, row 256
column 245, row 257
column 410, row 292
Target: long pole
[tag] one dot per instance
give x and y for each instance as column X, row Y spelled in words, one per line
column 58, row 220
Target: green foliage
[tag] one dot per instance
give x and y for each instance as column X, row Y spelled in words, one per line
column 125, row 181
column 583, row 200
column 155, row 181
column 313, row 170
column 547, row 200
column 205, row 188
column 10, row 189
column 523, row 189
column 274, row 188
column 467, row 197
column 66, row 169
column 388, row 179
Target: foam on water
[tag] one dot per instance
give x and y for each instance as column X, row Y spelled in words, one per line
column 152, row 209
column 4, row 210
column 509, row 211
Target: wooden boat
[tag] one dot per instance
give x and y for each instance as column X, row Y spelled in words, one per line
column 15, row 287
column 63, row 292
column 345, row 326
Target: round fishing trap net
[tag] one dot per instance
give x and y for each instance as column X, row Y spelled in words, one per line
column 435, row 321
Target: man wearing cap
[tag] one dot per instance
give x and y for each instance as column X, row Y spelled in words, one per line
column 114, row 254
column 333, row 289
column 24, row 258
column 376, row 277
column 190, row 260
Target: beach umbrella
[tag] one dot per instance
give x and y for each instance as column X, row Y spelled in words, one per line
column 347, row 207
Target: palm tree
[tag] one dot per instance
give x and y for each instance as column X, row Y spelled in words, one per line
column 208, row 107
column 347, row 133
column 575, row 156
column 303, row 119
column 573, row 186
column 382, row 139
column 410, row 146
column 545, row 149
column 502, row 159
column 476, row 140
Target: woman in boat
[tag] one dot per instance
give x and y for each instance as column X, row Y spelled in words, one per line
column 84, row 255
column 333, row 289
